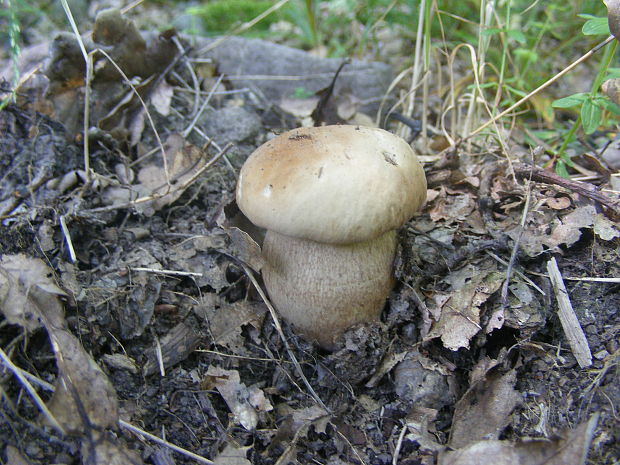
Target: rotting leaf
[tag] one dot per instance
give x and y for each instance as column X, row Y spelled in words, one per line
column 226, row 320
column 459, row 319
column 420, row 428
column 19, row 276
column 233, row 455
column 605, row 228
column 244, row 402
column 84, row 402
column 15, row 457
column 244, row 236
column 175, row 347
column 570, row 449
column 565, row 230
column 113, row 104
column 484, row 411
column 184, row 160
column 84, row 397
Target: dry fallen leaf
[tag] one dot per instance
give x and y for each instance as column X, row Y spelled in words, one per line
column 485, row 409
column 570, row 449
column 459, row 309
column 84, row 397
column 244, row 402
column 84, row 402
column 232, row 455
column 15, row 457
column 20, row 276
column 226, row 320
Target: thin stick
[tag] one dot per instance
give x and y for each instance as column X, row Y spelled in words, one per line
column 399, row 444
column 89, row 73
column 515, row 248
column 167, row 272
column 572, row 328
column 582, row 188
column 276, row 322
column 67, row 234
column 203, row 107
column 521, row 275
column 35, row 397
column 152, row 437
column 148, row 198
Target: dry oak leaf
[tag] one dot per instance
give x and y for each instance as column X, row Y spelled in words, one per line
column 19, row 277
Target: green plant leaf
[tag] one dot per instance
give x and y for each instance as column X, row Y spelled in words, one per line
column 560, row 169
column 610, row 106
column 595, row 26
column 517, row 36
column 570, row 101
column 591, row 115
column 526, row 54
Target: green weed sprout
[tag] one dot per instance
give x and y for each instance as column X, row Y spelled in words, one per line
column 593, row 103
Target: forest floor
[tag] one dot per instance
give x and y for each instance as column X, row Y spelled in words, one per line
column 130, row 301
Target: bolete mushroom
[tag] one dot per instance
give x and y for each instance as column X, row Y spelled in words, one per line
column 331, row 199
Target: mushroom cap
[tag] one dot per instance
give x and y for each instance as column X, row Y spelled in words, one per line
column 332, row 184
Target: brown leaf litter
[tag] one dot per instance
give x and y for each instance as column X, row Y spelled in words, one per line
column 158, row 320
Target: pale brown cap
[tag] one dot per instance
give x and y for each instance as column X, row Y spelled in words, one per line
column 332, row 184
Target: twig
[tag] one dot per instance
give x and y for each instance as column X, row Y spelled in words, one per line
column 148, row 198
column 521, row 275
column 167, row 272
column 575, row 335
column 35, row 397
column 276, row 321
column 399, row 444
column 67, row 234
column 582, row 188
column 152, row 437
column 203, row 107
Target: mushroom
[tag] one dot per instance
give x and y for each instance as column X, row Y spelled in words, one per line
column 331, row 199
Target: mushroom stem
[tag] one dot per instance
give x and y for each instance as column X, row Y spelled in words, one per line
column 323, row 289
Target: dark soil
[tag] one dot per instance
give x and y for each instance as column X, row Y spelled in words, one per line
column 115, row 310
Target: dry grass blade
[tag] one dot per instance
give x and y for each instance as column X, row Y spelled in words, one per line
column 33, row 393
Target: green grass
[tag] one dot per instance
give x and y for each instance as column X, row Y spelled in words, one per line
column 478, row 57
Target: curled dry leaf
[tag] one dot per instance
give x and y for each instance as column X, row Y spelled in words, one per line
column 19, row 277
column 243, row 402
column 459, row 310
column 244, row 236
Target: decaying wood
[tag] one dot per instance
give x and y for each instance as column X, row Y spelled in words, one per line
column 570, row 323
